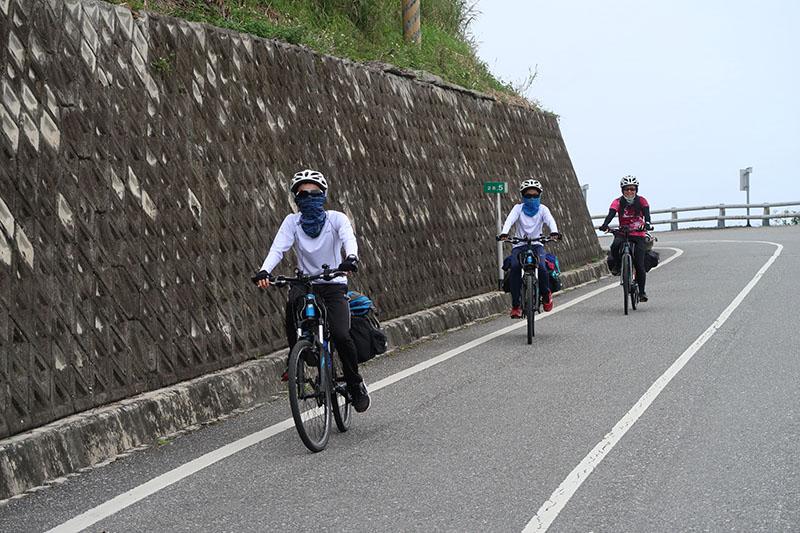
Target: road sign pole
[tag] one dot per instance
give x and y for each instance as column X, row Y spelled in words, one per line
column 498, row 188
column 748, row 205
column 499, row 248
column 744, row 185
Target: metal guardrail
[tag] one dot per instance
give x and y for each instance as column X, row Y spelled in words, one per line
column 765, row 217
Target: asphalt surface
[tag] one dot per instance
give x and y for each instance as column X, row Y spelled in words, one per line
column 483, row 439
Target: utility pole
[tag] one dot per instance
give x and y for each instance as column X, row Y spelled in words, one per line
column 744, row 185
column 411, row 22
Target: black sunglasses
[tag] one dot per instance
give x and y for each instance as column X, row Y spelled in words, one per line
column 626, row 189
column 306, row 194
column 530, row 195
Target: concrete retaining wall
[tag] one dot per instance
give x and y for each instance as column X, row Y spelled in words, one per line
column 143, row 171
column 89, row 439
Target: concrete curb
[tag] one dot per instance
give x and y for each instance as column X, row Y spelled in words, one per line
column 80, row 442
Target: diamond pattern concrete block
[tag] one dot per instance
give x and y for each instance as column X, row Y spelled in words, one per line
column 151, row 192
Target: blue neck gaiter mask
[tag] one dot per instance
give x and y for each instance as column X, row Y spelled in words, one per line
column 530, row 206
column 312, row 215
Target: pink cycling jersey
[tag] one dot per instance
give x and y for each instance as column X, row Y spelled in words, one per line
column 627, row 218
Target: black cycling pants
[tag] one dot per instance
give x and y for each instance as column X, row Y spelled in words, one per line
column 334, row 298
column 638, row 256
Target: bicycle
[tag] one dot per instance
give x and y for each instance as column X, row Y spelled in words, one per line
column 529, row 259
column 630, row 288
column 317, row 388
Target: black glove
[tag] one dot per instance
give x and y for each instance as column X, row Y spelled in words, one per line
column 648, row 227
column 555, row 235
column 603, row 228
column 350, row 264
column 261, row 275
column 502, row 236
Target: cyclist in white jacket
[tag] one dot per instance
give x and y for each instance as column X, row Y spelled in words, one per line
column 318, row 237
column 528, row 220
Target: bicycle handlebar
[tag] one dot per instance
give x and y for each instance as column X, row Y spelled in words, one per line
column 626, row 230
column 527, row 240
column 281, row 281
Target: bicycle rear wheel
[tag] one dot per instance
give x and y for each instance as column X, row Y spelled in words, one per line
column 309, row 396
column 530, row 303
column 340, row 399
column 626, row 281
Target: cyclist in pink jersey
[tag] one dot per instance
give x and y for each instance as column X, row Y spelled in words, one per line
column 634, row 213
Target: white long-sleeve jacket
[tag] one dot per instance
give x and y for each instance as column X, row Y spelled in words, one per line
column 527, row 226
column 312, row 253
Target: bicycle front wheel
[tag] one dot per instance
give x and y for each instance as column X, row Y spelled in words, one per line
column 530, row 302
column 340, row 399
column 309, row 396
column 626, row 281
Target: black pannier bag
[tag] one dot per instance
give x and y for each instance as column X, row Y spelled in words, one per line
column 507, row 274
column 651, row 259
column 365, row 330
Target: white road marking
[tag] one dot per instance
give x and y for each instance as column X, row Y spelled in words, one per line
column 114, row 505
column 553, row 506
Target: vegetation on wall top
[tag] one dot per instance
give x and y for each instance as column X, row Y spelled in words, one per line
column 361, row 30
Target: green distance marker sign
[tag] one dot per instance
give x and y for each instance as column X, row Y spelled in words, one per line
column 495, row 187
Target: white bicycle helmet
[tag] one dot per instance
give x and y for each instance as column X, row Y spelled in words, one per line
column 527, row 184
column 308, row 176
column 629, row 180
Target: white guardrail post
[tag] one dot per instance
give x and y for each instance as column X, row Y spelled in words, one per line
column 674, row 215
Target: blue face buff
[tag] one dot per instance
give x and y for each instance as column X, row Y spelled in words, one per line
column 530, row 206
column 312, row 215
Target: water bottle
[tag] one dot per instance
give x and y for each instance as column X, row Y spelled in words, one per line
column 310, row 310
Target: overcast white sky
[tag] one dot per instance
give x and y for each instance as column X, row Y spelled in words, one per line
column 681, row 93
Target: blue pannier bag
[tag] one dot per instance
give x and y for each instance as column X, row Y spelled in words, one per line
column 365, row 330
column 360, row 305
column 555, row 272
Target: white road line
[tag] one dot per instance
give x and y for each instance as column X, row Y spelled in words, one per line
column 141, row 492
column 553, row 506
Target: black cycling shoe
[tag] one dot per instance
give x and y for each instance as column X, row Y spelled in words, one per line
column 642, row 296
column 359, row 397
column 614, row 271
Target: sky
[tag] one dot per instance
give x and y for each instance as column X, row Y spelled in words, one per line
column 680, row 93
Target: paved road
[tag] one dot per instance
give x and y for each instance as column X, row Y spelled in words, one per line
column 682, row 416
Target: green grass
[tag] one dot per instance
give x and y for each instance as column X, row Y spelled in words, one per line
column 361, row 30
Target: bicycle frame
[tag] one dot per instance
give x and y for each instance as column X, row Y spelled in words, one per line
column 529, row 259
column 530, row 268
column 627, row 277
column 314, row 388
column 311, row 322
